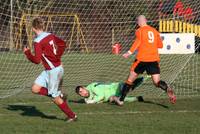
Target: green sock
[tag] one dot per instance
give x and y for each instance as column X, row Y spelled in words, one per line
column 130, row 99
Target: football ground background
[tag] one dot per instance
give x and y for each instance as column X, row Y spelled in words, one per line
column 96, row 25
column 25, row 113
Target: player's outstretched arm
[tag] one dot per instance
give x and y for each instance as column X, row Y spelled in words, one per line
column 134, row 47
column 127, row 54
column 38, row 54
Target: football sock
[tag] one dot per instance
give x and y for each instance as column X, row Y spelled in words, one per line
column 130, row 99
column 140, row 99
column 163, row 85
column 43, row 91
column 125, row 89
column 137, row 83
column 65, row 108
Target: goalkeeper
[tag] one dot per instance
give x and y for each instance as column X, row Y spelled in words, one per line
column 106, row 92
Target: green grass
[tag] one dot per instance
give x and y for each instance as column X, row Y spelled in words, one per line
column 181, row 71
column 25, row 113
column 36, row 114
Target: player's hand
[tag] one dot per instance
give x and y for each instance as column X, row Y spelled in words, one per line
column 26, row 49
column 126, row 55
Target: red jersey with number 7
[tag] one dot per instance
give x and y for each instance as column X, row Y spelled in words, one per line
column 147, row 42
column 48, row 49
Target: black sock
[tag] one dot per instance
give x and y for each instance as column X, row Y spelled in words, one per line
column 125, row 90
column 163, row 85
column 137, row 82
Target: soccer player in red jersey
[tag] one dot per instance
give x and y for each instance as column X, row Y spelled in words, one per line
column 147, row 42
column 48, row 50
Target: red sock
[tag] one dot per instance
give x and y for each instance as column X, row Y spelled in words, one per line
column 43, row 91
column 65, row 108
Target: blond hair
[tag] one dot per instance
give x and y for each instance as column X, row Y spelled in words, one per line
column 38, row 23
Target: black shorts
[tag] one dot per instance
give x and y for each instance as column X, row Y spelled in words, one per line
column 150, row 67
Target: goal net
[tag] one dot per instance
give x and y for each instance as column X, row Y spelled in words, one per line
column 91, row 28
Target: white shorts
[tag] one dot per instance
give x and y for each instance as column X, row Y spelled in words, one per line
column 51, row 79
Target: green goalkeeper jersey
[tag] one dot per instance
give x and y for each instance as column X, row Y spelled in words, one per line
column 101, row 92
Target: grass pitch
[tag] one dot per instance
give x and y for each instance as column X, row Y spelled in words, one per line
column 26, row 113
column 30, row 114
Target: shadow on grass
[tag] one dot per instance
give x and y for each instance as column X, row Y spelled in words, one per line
column 30, row 111
column 80, row 101
column 155, row 103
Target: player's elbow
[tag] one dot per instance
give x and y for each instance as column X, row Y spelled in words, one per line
column 160, row 46
column 36, row 61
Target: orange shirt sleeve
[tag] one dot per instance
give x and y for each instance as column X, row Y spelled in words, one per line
column 159, row 41
column 136, row 43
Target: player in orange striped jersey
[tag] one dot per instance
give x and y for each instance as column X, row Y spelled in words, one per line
column 147, row 59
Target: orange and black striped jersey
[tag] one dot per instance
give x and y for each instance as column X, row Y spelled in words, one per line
column 147, row 42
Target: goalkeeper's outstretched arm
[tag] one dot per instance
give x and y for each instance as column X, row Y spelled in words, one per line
column 94, row 100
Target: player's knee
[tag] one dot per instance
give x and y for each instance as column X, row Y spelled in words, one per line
column 156, row 83
column 35, row 89
column 132, row 76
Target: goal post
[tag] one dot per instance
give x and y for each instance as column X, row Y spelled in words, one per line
column 91, row 28
column 70, row 32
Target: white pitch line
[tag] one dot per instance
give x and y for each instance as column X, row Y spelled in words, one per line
column 138, row 112
column 118, row 113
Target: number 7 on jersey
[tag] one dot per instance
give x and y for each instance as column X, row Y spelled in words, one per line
column 53, row 45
